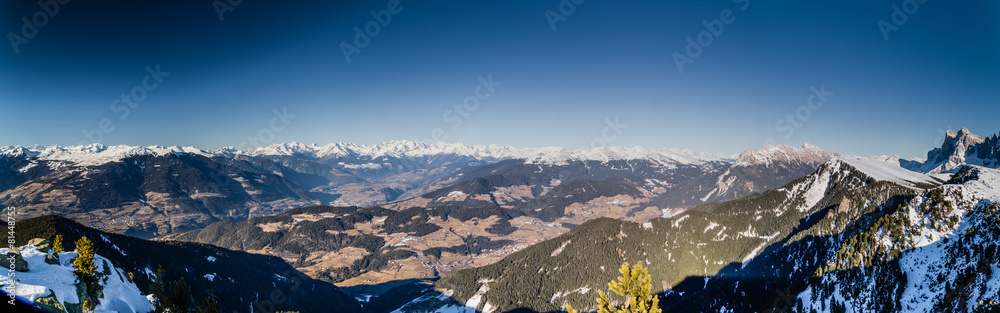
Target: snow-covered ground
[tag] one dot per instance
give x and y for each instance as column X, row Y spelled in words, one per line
column 438, row 298
column 930, row 260
column 43, row 279
column 885, row 171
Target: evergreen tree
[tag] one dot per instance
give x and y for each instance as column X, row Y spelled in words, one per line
column 86, row 270
column 159, row 291
column 84, row 262
column 180, row 297
column 57, row 244
column 635, row 286
column 210, row 306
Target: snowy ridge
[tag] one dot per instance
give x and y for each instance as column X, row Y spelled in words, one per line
column 887, row 171
column 561, row 156
column 93, row 154
column 941, row 258
column 543, row 155
column 96, row 154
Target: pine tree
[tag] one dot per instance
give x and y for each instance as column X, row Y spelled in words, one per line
column 159, row 290
column 57, row 244
column 180, row 296
column 84, row 262
column 210, row 306
column 86, row 270
column 635, row 286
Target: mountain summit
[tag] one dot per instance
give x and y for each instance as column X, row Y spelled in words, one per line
column 768, row 155
column 962, row 147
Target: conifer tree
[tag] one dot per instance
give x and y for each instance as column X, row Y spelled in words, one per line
column 86, row 270
column 159, row 291
column 180, row 296
column 57, row 244
column 210, row 306
column 84, row 262
column 635, row 285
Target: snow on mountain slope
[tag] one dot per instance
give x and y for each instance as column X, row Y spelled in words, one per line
column 947, row 264
column 93, row 154
column 761, row 169
column 772, row 154
column 886, row 171
column 43, row 280
column 665, row 157
column 96, row 154
column 398, row 149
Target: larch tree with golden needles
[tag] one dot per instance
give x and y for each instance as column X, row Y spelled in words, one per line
column 86, row 270
column 84, row 262
column 57, row 244
column 635, row 285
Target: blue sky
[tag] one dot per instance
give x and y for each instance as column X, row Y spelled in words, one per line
column 605, row 60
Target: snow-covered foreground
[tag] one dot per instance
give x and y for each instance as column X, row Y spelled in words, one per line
column 943, row 264
column 43, row 280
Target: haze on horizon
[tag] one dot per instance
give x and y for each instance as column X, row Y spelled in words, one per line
column 854, row 77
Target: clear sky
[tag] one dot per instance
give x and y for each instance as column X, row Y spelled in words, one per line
column 561, row 70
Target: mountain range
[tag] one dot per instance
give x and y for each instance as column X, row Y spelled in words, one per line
column 154, row 191
column 413, row 227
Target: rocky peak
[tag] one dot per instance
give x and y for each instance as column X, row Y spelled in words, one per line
column 954, row 150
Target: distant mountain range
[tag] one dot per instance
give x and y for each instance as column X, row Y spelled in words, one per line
column 153, row 191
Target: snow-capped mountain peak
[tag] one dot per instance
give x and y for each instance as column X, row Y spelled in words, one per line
column 959, row 148
column 665, row 157
column 770, row 154
column 93, row 154
column 96, row 154
column 952, row 152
